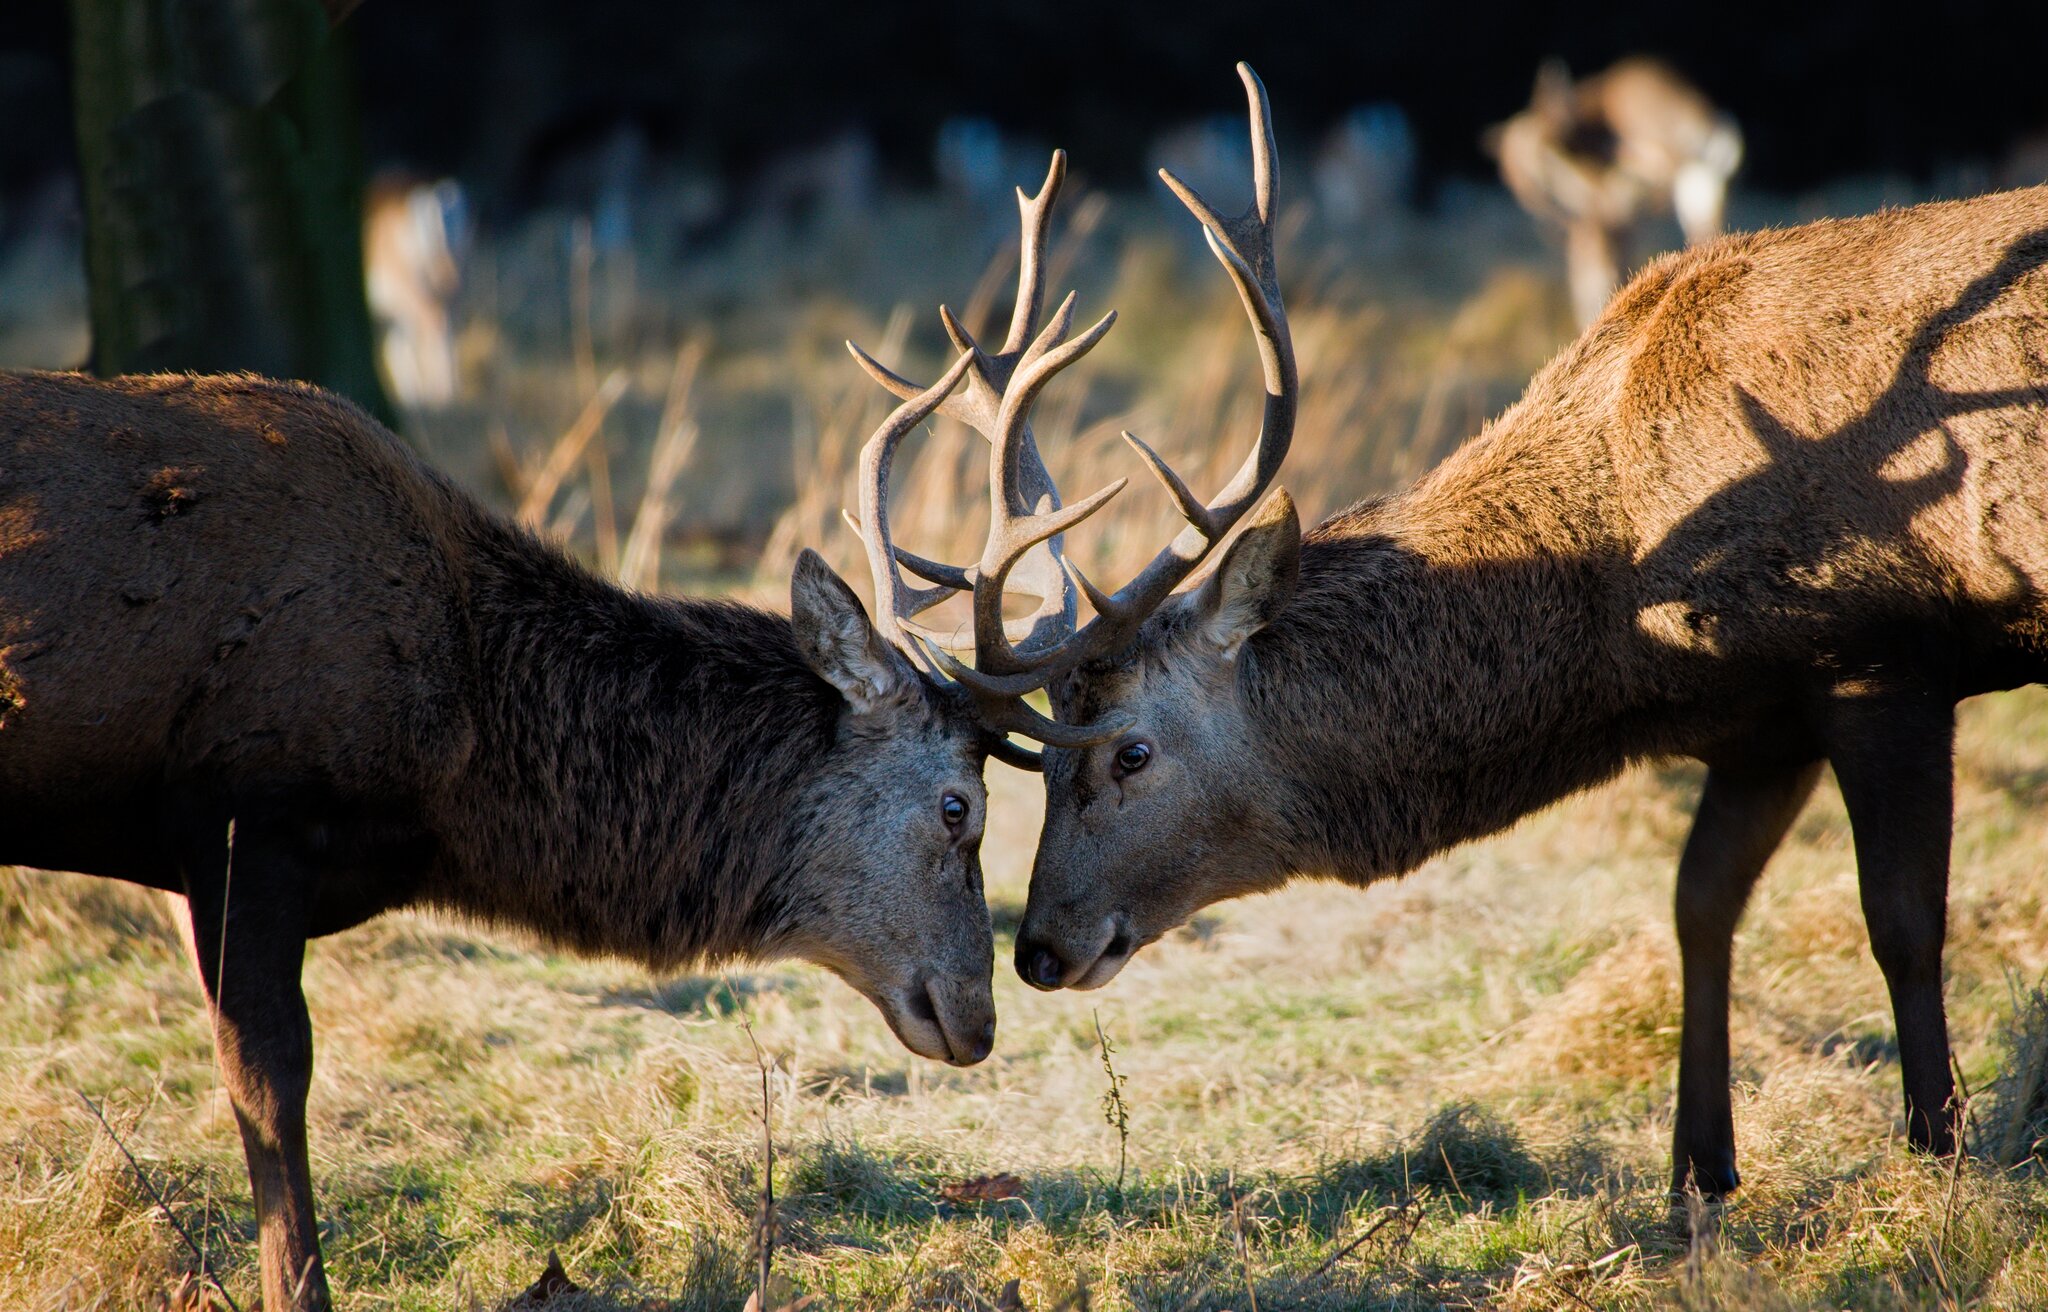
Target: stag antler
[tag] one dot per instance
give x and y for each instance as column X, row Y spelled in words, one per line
column 896, row 602
column 1026, row 519
column 1244, row 246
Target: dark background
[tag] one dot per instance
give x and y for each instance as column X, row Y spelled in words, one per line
column 491, row 91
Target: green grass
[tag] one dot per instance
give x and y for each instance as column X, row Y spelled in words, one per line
column 1468, row 1072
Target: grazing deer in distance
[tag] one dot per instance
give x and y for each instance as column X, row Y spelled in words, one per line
column 1781, row 506
column 254, row 652
column 1598, row 156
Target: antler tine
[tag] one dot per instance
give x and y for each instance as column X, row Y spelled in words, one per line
column 895, row 600
column 1038, row 573
column 1184, row 499
column 896, row 383
column 1012, row 437
column 992, row 686
column 1036, row 212
column 957, row 332
column 1018, row 521
column 1017, row 716
column 1264, row 155
column 1054, row 334
column 978, row 403
column 1004, row 707
column 931, row 571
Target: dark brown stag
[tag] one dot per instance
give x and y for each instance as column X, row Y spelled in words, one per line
column 254, row 653
column 1780, row 506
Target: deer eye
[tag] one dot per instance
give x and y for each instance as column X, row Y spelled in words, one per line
column 954, row 808
column 1131, row 758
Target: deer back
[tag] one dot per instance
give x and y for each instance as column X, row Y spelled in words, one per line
column 222, row 575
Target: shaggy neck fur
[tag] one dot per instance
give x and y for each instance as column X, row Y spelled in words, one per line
column 636, row 764
column 1444, row 667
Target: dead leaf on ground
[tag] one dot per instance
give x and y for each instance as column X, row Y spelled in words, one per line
column 754, row 1303
column 1012, row 1299
column 191, row 1295
column 553, row 1282
column 983, row 1189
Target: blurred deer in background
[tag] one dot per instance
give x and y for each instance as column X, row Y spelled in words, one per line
column 1599, row 156
column 415, row 235
column 834, row 179
column 1365, row 168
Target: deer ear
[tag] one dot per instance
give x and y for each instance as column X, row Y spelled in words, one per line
column 837, row 639
column 1255, row 580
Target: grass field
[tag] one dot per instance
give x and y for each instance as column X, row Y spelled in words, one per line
column 1454, row 1090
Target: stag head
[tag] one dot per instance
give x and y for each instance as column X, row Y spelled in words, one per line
column 886, row 834
column 1088, row 850
column 903, row 790
column 1160, row 812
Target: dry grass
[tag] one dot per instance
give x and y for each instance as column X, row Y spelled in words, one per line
column 1467, row 1072
column 1450, row 1091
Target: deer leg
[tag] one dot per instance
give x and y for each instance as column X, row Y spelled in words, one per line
column 1893, row 758
column 1742, row 817
column 248, row 918
column 1592, row 259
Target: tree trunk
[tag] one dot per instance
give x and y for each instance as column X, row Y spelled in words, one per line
column 223, row 190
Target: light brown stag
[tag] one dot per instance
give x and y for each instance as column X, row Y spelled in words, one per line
column 1781, row 506
column 1597, row 157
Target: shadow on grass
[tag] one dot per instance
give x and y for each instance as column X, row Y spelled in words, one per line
column 2025, row 786
column 717, row 1279
column 1460, row 1213
column 1860, row 1049
column 1464, row 1158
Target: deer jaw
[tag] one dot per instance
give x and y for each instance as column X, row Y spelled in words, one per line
column 887, row 896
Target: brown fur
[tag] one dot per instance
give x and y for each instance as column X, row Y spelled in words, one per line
column 1782, row 504
column 232, row 600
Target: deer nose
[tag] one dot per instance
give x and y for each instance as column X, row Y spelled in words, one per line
column 1038, row 965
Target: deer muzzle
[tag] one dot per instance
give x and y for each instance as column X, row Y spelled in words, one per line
column 1045, row 962
column 947, row 1019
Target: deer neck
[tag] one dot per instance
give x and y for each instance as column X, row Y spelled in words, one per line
column 636, row 761
column 1447, row 663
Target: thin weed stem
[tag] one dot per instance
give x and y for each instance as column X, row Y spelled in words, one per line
column 1116, row 1113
